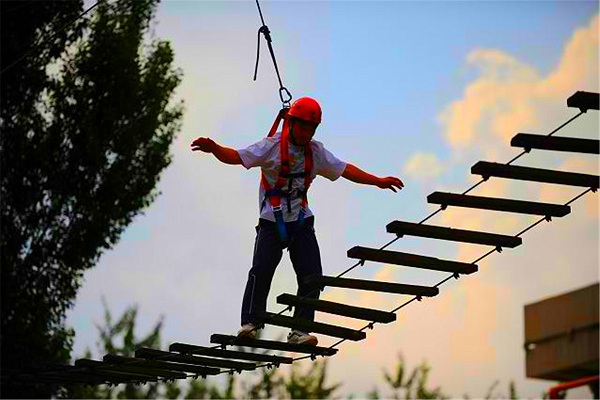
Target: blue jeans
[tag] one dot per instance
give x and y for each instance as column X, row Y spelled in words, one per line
column 268, row 250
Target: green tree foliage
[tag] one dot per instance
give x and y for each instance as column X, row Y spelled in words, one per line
column 310, row 385
column 512, row 391
column 119, row 338
column 86, row 125
column 411, row 385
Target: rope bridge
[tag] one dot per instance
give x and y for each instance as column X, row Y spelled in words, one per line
column 183, row 361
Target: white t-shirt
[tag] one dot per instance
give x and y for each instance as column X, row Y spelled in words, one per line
column 266, row 154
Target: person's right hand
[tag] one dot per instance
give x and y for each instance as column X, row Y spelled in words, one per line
column 206, row 145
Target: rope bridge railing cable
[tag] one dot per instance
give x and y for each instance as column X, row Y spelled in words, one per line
column 361, row 262
column 417, row 298
column 454, row 275
column 42, row 40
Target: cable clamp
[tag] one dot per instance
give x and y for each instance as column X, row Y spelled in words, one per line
column 456, row 275
column 371, row 325
column 548, row 218
column 443, row 206
column 419, row 298
column 362, row 263
column 499, row 249
column 594, row 189
column 313, row 357
column 285, row 102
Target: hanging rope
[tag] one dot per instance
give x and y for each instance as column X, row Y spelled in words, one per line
column 264, row 29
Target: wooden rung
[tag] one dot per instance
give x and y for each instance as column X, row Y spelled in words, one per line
column 410, row 260
column 209, row 362
column 556, row 143
column 488, row 169
column 136, row 369
column 171, row 366
column 492, row 203
column 402, row 228
column 229, row 340
column 584, row 101
column 239, row 355
column 366, row 314
column 307, row 325
column 91, row 378
column 123, row 372
column 377, row 286
column 86, row 374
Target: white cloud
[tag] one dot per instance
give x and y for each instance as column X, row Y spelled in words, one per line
column 423, row 165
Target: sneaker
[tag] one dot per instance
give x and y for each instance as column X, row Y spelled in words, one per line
column 299, row 337
column 248, row 331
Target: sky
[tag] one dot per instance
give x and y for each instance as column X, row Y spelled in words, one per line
column 418, row 90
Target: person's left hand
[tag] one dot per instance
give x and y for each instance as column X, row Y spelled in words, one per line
column 391, row 182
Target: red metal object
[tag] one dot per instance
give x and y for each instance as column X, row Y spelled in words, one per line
column 555, row 391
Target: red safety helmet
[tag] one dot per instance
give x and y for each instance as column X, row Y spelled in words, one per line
column 307, row 109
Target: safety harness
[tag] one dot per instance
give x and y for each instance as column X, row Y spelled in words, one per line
column 285, row 177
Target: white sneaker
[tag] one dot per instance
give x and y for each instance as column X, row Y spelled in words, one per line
column 248, row 331
column 299, row 337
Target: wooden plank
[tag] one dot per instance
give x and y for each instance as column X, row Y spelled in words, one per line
column 165, row 365
column 209, row 362
column 488, row 169
column 239, row 355
column 496, row 204
column 136, row 369
column 402, row 228
column 93, row 367
column 555, row 143
column 271, row 345
column 73, row 377
column 584, row 101
column 377, row 286
column 59, row 372
column 306, row 325
column 330, row 307
column 411, row 260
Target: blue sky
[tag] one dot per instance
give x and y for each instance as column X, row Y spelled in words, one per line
column 419, row 90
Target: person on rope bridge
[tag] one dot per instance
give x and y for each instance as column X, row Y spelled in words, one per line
column 289, row 160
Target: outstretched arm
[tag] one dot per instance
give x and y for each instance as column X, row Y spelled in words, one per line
column 357, row 175
column 224, row 154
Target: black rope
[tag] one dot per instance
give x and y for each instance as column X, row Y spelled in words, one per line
column 264, row 29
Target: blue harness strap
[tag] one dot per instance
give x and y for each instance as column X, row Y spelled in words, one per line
column 276, row 193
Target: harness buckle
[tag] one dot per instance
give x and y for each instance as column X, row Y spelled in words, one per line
column 276, row 208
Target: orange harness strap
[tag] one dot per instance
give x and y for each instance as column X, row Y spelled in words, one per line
column 275, row 194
